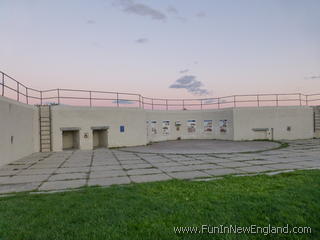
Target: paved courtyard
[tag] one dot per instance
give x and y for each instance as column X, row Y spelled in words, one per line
column 203, row 146
column 104, row 167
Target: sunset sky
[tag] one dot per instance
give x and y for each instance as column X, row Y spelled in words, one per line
column 167, row 48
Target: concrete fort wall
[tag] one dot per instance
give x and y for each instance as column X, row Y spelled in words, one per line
column 19, row 126
column 281, row 122
column 126, row 127
column 140, row 127
column 19, row 130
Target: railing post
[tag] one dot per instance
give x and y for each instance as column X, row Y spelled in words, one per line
column 142, row 101
column 139, row 101
column 234, row 100
column 218, row 103
column 167, row 104
column 300, row 99
column 2, row 84
column 27, row 97
column 277, row 100
column 201, row 104
column 117, row 99
column 307, row 103
column 58, row 91
column 90, row 98
column 18, row 91
column 258, row 101
column 152, row 103
column 40, row 97
column 183, row 104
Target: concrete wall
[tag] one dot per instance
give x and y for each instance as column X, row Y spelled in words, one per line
column 144, row 126
column 19, row 130
column 133, row 120
column 21, row 121
column 287, row 122
column 183, row 117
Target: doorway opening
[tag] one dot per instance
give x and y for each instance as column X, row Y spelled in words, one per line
column 100, row 137
column 70, row 139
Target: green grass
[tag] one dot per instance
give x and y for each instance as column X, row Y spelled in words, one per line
column 151, row 210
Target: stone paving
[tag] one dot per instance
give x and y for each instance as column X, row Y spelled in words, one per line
column 104, row 167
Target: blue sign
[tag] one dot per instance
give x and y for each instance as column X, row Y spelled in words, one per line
column 121, row 128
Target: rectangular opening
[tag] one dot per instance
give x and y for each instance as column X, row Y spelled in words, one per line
column 100, row 138
column 70, row 139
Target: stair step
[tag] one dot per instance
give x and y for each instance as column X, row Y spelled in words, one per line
column 45, row 128
column 45, row 138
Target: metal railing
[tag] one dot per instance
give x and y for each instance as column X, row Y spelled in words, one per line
column 13, row 89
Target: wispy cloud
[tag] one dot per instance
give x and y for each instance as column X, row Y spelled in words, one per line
column 129, row 6
column 123, row 101
column 90, row 21
column 172, row 10
column 175, row 13
column 142, row 40
column 213, row 101
column 184, row 71
column 313, row 77
column 191, row 84
column 201, row 14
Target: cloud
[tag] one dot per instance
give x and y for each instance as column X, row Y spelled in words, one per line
column 313, row 77
column 172, row 10
column 213, row 101
column 190, row 83
column 210, row 101
column 123, row 101
column 142, row 40
column 201, row 14
column 97, row 44
column 90, row 21
column 129, row 6
column 184, row 71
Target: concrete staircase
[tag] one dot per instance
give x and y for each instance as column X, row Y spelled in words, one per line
column 45, row 128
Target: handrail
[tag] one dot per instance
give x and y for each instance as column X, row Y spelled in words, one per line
column 12, row 88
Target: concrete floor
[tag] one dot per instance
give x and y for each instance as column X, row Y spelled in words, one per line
column 203, row 146
column 104, row 167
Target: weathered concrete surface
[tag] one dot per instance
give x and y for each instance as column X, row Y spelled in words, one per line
column 19, row 130
column 104, row 167
column 203, row 146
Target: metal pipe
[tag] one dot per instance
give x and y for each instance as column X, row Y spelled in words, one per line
column 300, row 99
column 2, row 84
column 117, row 99
column 139, row 101
column 27, row 99
column 18, row 91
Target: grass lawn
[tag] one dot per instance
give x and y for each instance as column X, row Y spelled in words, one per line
column 152, row 210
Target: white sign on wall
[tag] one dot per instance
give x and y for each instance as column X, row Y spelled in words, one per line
column 207, row 126
column 153, row 127
column 223, row 126
column 165, row 127
column 191, row 124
